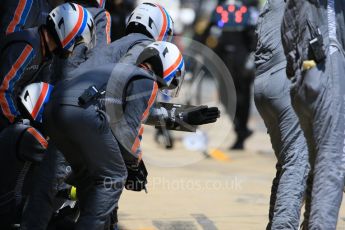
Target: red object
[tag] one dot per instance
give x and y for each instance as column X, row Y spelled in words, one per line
column 76, row 28
column 17, row 16
column 243, row 9
column 38, row 137
column 5, row 85
column 165, row 24
column 219, row 9
column 108, row 27
column 40, row 101
column 239, row 19
column 231, row 8
column 238, row 14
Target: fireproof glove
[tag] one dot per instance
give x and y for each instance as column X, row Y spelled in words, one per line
column 137, row 177
column 201, row 115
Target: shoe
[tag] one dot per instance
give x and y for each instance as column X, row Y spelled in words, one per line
column 239, row 144
column 164, row 138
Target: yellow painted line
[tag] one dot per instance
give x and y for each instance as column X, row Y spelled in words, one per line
column 219, row 155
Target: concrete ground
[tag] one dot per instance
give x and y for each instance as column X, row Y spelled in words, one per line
column 229, row 190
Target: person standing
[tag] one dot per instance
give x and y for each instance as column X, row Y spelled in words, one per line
column 232, row 32
column 313, row 41
column 272, row 99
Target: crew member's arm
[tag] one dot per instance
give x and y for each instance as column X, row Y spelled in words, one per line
column 17, row 19
column 103, row 28
column 140, row 96
column 16, row 15
column 14, row 61
column 181, row 117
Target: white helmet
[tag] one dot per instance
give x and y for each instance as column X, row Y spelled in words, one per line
column 167, row 63
column 101, row 3
column 152, row 20
column 70, row 24
column 34, row 97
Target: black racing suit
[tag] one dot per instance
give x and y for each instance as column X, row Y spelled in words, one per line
column 234, row 49
column 51, row 175
column 17, row 15
column 84, row 133
column 21, row 61
column 235, row 42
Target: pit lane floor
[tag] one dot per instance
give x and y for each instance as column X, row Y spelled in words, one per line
column 227, row 191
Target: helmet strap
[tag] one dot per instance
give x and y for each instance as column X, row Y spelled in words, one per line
column 53, row 37
column 134, row 27
column 145, row 66
column 46, row 51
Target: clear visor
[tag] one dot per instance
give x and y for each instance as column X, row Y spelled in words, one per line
column 170, row 35
column 175, row 86
column 90, row 45
column 86, row 42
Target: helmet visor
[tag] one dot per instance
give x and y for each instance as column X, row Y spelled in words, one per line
column 170, row 35
column 90, row 45
column 174, row 88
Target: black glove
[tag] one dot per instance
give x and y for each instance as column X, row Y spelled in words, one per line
column 137, row 177
column 181, row 117
column 201, row 115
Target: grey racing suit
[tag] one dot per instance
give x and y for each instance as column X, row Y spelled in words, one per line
column 81, row 53
column 124, row 50
column 317, row 95
column 85, row 135
column 53, row 172
column 102, row 23
column 272, row 99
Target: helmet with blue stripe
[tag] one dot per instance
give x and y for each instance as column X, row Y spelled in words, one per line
column 69, row 25
column 167, row 63
column 152, row 20
column 33, row 99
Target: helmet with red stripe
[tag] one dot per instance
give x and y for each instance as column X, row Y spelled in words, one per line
column 33, row 99
column 167, row 63
column 70, row 24
column 152, row 20
column 101, row 3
